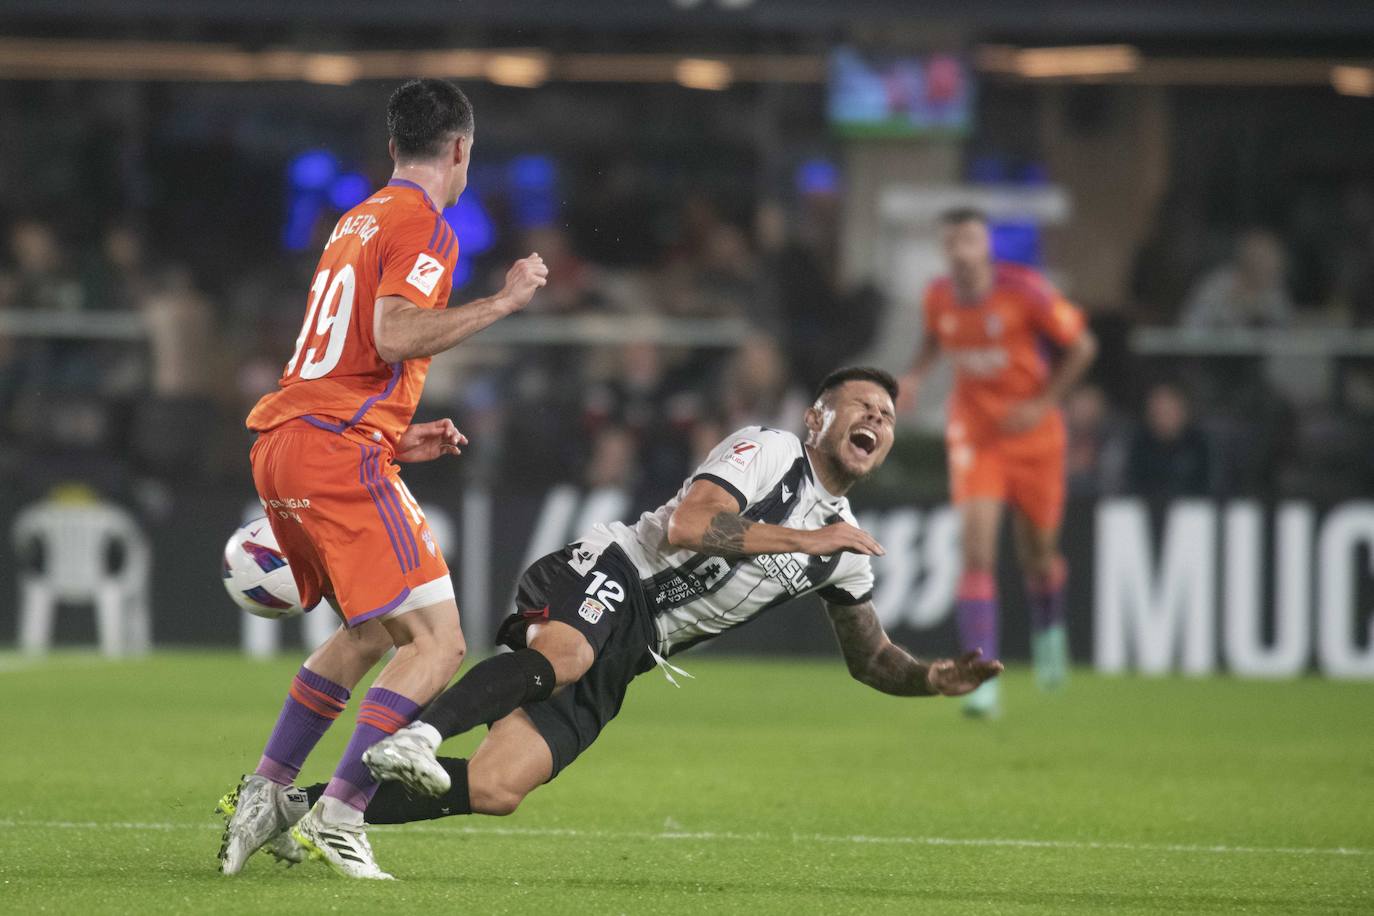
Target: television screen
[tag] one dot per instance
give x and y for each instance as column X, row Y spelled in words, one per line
column 885, row 95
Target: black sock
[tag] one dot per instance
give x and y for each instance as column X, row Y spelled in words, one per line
column 493, row 689
column 394, row 805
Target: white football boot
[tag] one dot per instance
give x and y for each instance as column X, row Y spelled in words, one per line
column 343, row 847
column 408, row 757
column 257, row 813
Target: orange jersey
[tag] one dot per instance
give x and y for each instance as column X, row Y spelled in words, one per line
column 395, row 243
column 1001, row 347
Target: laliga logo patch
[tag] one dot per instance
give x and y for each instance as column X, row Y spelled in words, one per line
column 425, row 275
column 591, row 610
column 429, row 541
column 741, row 453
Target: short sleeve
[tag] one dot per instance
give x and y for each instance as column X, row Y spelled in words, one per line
column 1051, row 314
column 749, row 463
column 417, row 260
column 852, row 584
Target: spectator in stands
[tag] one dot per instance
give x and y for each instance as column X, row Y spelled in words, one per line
column 115, row 277
column 1169, row 455
column 1250, row 291
column 756, row 387
column 182, row 336
column 643, row 398
column 40, row 279
column 1093, row 461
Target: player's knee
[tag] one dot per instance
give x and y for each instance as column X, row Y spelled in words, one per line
column 568, row 652
column 447, row 651
column 497, row 801
column 505, row 803
column 1042, row 564
column 572, row 662
column 982, row 562
column 372, row 647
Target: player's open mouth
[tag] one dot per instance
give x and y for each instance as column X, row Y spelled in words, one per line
column 865, row 440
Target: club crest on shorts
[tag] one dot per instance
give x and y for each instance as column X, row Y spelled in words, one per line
column 591, row 610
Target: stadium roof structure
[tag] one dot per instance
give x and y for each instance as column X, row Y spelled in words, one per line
column 1072, row 18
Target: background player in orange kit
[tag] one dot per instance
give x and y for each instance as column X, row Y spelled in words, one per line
column 323, row 467
column 1018, row 347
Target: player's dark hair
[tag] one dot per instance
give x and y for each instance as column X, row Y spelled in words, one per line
column 424, row 115
column 883, row 380
column 957, row 215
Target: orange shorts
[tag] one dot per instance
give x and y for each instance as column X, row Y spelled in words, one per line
column 1027, row 472
column 347, row 524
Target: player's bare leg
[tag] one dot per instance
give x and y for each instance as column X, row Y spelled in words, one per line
column 429, row 649
column 976, row 605
column 262, row 807
column 1045, row 574
column 510, row 763
column 556, row 655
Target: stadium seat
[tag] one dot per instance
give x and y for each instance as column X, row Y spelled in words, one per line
column 75, row 543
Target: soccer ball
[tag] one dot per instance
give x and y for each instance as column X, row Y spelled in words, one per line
column 256, row 575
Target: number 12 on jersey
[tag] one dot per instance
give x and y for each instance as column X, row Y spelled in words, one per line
column 326, row 322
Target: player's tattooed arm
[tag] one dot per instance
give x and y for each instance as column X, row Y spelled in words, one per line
column 724, row 534
column 708, row 521
column 873, row 658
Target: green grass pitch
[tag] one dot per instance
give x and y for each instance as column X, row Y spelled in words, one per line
column 759, row 787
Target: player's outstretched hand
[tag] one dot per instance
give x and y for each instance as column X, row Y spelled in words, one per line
column 954, row 677
column 840, row 536
column 524, row 277
column 427, row 441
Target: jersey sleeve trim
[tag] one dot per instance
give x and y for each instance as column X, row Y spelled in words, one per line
column 725, row 485
column 833, row 594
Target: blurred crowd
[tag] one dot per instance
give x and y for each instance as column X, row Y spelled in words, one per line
column 165, row 402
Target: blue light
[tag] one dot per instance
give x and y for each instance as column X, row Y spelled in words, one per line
column 462, row 271
column 471, row 224
column 532, row 173
column 1018, row 243
column 302, row 212
column 349, row 190
column 313, row 170
column 818, row 176
column 533, row 178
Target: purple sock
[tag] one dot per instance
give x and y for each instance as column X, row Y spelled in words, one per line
column 311, row 706
column 1046, row 598
column 976, row 609
column 381, row 714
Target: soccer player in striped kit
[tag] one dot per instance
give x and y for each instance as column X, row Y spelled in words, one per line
column 324, row 465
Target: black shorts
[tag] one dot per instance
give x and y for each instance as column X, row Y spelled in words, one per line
column 601, row 597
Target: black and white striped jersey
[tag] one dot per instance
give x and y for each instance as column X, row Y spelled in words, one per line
column 695, row 596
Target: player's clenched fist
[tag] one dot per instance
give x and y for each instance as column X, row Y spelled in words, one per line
column 524, row 277
column 841, row 536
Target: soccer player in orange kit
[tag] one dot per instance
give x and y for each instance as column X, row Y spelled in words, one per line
column 323, row 467
column 1018, row 347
